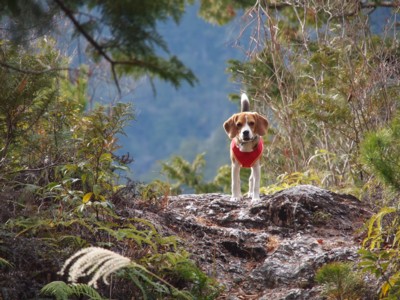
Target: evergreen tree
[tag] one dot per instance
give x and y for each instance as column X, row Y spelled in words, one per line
column 123, row 33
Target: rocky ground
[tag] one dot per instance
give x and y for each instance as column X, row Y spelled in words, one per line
column 270, row 249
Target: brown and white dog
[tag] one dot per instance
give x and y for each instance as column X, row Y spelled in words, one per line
column 245, row 129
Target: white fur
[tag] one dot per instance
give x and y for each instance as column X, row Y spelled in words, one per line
column 254, row 182
column 246, row 127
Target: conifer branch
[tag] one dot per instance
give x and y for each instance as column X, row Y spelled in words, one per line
column 90, row 39
column 30, row 71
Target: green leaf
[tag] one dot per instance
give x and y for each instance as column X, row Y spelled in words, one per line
column 96, row 190
column 106, row 157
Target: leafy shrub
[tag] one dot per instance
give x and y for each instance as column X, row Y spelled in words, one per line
column 380, row 153
column 61, row 191
column 98, row 263
column 285, row 181
column 380, row 252
column 188, row 175
column 340, row 281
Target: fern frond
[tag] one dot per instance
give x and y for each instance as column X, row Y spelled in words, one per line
column 62, row 291
column 85, row 290
column 58, row 289
column 99, row 263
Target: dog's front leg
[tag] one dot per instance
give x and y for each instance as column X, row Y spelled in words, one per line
column 251, row 185
column 254, row 182
column 235, row 176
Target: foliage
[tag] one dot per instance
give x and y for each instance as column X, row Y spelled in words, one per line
column 323, row 79
column 340, row 281
column 25, row 98
column 154, row 191
column 60, row 186
column 123, row 33
column 380, row 152
column 179, row 267
column 380, row 251
column 62, row 291
column 221, row 11
column 188, row 175
column 381, row 248
column 96, row 263
column 285, row 181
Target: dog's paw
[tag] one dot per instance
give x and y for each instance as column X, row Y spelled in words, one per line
column 236, row 198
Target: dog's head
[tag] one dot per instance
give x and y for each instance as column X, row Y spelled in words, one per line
column 246, row 126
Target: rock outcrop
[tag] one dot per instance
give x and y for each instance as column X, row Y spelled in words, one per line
column 270, row 249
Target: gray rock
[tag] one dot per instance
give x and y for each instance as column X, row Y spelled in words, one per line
column 271, row 249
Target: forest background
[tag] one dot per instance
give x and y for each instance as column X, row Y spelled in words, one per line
column 325, row 73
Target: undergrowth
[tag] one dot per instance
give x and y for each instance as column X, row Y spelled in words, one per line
column 63, row 189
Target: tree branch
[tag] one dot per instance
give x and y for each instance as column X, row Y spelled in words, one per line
column 33, row 72
column 80, row 28
column 90, row 39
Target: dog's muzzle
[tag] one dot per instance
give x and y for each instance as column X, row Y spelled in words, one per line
column 246, row 135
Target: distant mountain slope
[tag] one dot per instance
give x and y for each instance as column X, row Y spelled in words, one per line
column 187, row 121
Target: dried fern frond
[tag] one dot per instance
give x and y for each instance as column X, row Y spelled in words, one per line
column 96, row 262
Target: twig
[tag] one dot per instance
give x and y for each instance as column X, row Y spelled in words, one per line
column 90, row 39
column 30, row 71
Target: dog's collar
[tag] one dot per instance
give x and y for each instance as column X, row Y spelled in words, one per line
column 247, row 159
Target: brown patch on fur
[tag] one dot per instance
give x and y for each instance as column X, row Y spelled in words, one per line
column 257, row 123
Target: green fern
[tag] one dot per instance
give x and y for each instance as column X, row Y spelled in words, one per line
column 63, row 291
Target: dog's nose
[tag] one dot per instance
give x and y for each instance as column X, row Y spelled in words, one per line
column 246, row 133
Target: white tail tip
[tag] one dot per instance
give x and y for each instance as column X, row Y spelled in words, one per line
column 244, row 103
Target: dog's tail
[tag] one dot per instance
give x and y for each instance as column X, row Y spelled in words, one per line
column 244, row 103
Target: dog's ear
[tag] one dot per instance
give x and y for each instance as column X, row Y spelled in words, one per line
column 230, row 127
column 261, row 124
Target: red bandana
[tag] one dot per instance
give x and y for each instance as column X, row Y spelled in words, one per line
column 247, row 159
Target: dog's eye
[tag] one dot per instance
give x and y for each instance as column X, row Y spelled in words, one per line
column 251, row 123
column 239, row 124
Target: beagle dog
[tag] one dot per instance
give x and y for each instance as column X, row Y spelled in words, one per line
column 245, row 129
